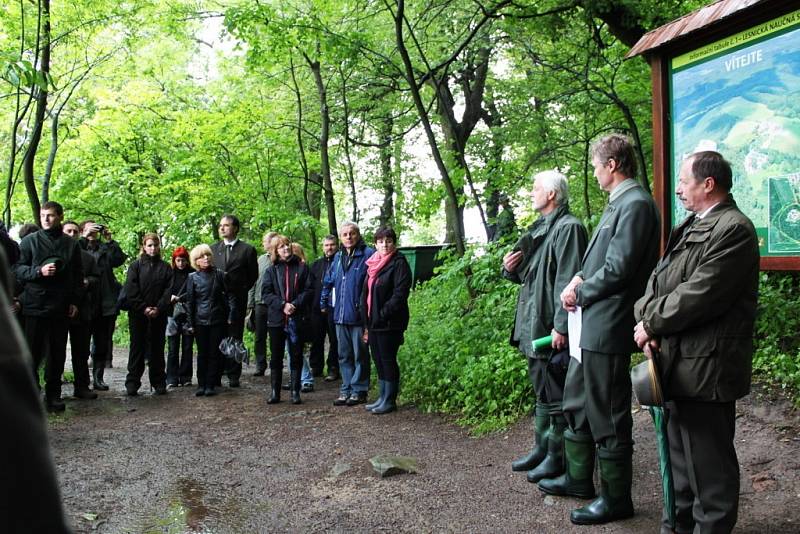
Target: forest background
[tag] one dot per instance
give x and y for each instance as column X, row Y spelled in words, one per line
column 429, row 115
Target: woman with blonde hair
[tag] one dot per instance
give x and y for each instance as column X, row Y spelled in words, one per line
column 286, row 293
column 148, row 287
column 210, row 309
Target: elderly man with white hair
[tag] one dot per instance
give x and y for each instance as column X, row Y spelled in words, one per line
column 543, row 262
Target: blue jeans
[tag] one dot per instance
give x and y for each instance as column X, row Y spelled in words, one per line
column 307, row 377
column 354, row 364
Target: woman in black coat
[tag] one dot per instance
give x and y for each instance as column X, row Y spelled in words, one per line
column 384, row 309
column 210, row 309
column 147, row 287
column 179, row 343
column 286, row 292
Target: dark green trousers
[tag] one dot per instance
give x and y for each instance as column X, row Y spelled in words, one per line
column 597, row 399
column 705, row 470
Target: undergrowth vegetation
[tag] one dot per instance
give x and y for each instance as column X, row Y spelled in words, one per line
column 456, row 357
column 777, row 333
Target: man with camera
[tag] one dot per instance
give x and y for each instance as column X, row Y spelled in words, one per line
column 96, row 240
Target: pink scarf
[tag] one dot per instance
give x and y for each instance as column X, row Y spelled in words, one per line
column 375, row 263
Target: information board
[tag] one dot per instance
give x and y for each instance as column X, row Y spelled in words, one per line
column 740, row 96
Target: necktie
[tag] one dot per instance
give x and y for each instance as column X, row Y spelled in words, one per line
column 228, row 249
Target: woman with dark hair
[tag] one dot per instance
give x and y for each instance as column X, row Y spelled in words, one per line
column 179, row 343
column 287, row 291
column 147, row 287
column 384, row 309
column 210, row 309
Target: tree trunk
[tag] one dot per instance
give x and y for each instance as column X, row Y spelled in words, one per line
column 351, row 180
column 452, row 196
column 386, row 217
column 324, row 136
column 38, row 121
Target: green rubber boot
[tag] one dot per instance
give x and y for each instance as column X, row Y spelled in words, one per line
column 553, row 464
column 579, row 451
column 541, row 427
column 614, row 502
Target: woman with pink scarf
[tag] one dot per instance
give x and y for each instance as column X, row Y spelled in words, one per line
column 384, row 308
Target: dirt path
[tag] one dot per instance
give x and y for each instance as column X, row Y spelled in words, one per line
column 231, row 464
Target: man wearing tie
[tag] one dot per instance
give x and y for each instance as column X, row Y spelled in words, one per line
column 239, row 261
column 597, row 393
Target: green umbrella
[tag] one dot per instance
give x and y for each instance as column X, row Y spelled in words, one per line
column 660, row 418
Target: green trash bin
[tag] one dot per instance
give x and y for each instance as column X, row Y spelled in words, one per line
column 422, row 259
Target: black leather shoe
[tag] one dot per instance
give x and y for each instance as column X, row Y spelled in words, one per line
column 161, row 389
column 210, row 392
column 200, row 392
column 85, row 393
column 259, row 372
column 55, row 405
column 131, row 390
column 234, row 383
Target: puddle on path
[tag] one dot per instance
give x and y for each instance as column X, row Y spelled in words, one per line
column 195, row 508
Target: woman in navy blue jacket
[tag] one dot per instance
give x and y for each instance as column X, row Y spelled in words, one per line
column 287, row 291
column 385, row 313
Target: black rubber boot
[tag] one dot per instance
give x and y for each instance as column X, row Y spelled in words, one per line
column 294, row 381
column 381, row 394
column 614, row 502
column 275, row 381
column 541, row 426
column 553, row 464
column 389, row 403
column 579, row 451
column 97, row 378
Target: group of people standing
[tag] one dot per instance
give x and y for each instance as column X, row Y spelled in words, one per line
column 693, row 312
column 64, row 286
column 353, row 295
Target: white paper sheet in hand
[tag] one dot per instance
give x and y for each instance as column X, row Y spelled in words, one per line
column 574, row 320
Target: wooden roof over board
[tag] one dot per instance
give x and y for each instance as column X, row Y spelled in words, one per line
column 682, row 29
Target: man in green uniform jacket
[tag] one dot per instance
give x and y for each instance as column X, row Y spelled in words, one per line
column 542, row 262
column 696, row 318
column 597, row 393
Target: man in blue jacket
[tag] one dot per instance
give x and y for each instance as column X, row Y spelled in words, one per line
column 341, row 291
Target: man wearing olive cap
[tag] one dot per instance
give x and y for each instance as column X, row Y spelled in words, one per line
column 50, row 269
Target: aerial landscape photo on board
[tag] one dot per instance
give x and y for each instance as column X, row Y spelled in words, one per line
column 745, row 103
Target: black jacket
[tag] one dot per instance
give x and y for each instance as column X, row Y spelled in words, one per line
column 179, row 277
column 89, row 306
column 389, row 310
column 49, row 296
column 148, row 284
column 241, row 269
column 108, row 257
column 287, row 282
column 319, row 269
column 208, row 302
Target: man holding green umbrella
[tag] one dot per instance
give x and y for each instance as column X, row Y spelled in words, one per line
column 696, row 318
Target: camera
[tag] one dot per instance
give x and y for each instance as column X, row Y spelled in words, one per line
column 101, row 228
